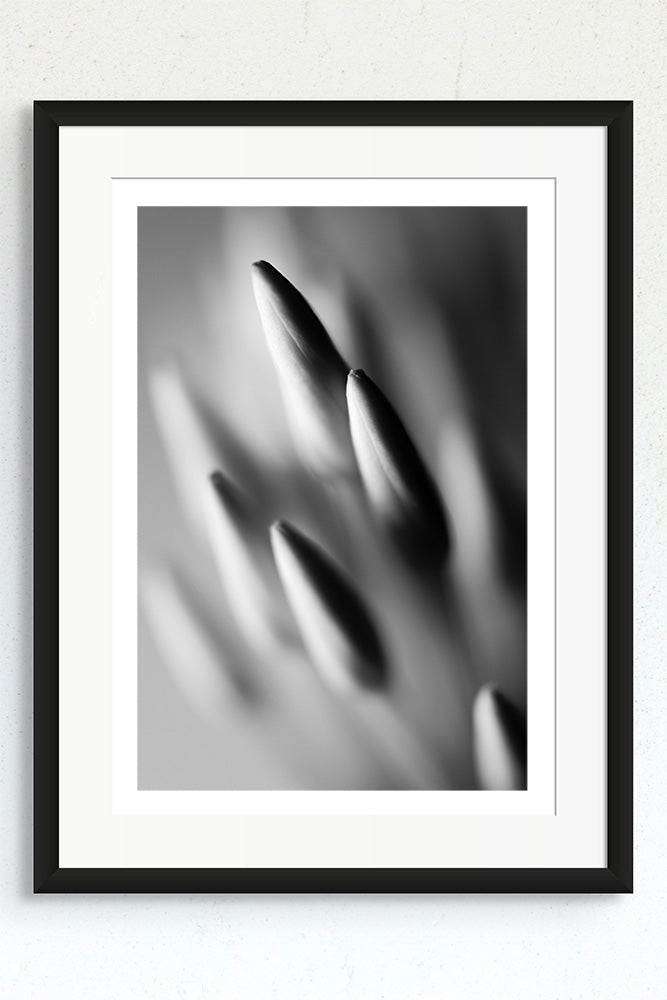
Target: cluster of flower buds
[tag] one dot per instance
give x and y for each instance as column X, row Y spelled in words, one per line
column 344, row 425
column 282, row 587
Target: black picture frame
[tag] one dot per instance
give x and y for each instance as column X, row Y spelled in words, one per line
column 616, row 118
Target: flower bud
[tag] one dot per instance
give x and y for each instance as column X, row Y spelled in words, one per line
column 311, row 374
column 399, row 488
column 499, row 740
column 247, row 573
column 336, row 628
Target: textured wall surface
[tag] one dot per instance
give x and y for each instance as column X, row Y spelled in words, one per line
column 390, row 947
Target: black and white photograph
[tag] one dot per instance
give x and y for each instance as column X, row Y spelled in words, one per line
column 332, row 498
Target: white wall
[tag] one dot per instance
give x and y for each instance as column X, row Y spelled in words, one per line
column 390, row 947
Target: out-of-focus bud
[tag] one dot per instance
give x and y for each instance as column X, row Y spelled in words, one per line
column 247, row 572
column 336, row 628
column 462, row 481
column 399, row 487
column 204, row 669
column 195, row 661
column 311, row 374
column 499, row 735
column 187, row 441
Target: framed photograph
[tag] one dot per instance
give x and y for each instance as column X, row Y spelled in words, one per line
column 333, row 497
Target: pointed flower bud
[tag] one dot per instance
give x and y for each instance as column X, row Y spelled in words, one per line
column 311, row 374
column 398, row 485
column 247, row 573
column 336, row 628
column 499, row 739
